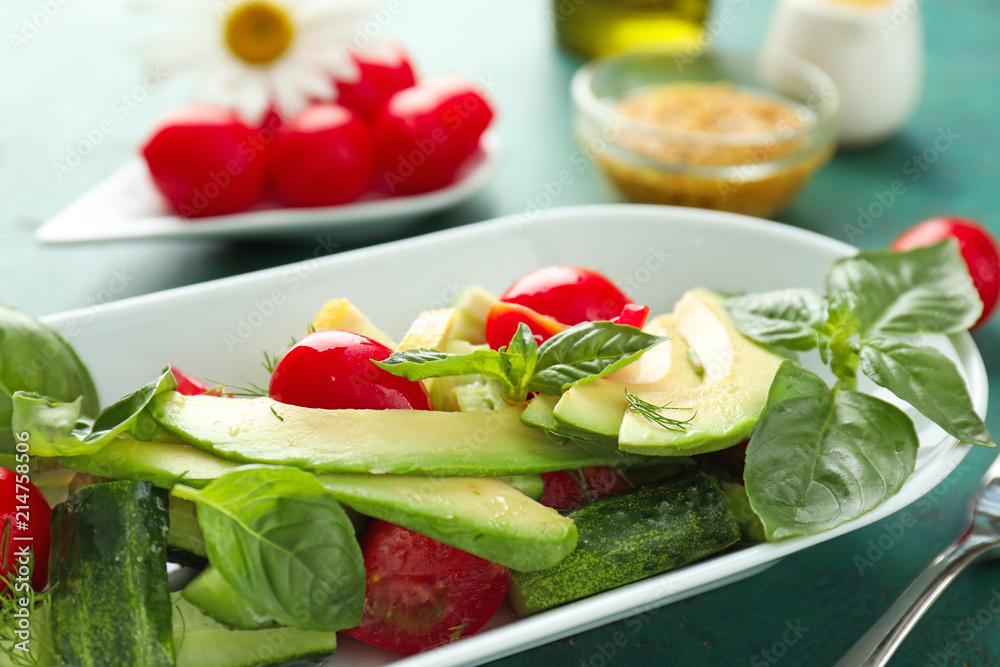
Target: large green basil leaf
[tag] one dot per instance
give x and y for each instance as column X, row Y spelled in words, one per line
column 281, row 540
column 61, row 429
column 819, row 458
column 586, row 352
column 35, row 359
column 425, row 364
column 925, row 290
column 930, row 382
column 789, row 318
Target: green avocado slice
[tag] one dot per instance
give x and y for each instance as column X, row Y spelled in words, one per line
column 395, row 442
column 726, row 402
column 481, row 515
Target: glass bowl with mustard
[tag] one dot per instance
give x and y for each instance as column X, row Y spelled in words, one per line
column 725, row 130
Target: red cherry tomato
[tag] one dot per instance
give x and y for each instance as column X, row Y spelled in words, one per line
column 421, row 593
column 504, row 318
column 427, row 131
column 189, row 385
column 570, row 294
column 563, row 492
column 378, row 81
column 323, row 156
column 206, row 161
column 978, row 247
column 332, row 369
column 24, row 507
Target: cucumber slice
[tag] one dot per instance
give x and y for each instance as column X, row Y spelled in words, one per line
column 110, row 597
column 632, row 536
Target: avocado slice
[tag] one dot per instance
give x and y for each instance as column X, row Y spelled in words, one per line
column 598, row 407
column 203, row 642
column 472, row 305
column 481, row 515
column 395, row 442
column 215, row 598
column 728, row 399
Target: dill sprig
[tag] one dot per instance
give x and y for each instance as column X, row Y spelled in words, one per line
column 652, row 413
column 253, row 390
column 39, row 643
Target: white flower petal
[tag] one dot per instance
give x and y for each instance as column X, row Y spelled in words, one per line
column 189, row 35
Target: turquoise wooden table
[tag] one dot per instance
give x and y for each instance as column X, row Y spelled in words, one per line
column 73, row 68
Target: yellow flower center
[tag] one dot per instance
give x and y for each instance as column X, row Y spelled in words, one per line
column 258, row 32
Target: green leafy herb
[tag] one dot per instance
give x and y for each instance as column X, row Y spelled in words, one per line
column 423, row 364
column 588, row 351
column 576, row 355
column 59, row 429
column 789, row 318
column 251, row 390
column 653, row 413
column 457, row 631
column 279, row 538
column 820, row 457
column 37, row 360
column 37, row 650
column 925, row 290
column 930, row 382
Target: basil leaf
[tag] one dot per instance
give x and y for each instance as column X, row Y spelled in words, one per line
column 930, row 382
column 57, row 429
column 819, row 458
column 34, row 358
column 925, row 290
column 424, row 364
column 790, row 318
column 586, row 352
column 524, row 346
column 279, row 538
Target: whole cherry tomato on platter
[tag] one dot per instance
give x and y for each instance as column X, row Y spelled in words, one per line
column 206, row 161
column 323, row 156
column 378, row 80
column 427, row 131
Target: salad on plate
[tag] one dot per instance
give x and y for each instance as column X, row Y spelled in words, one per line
column 546, row 445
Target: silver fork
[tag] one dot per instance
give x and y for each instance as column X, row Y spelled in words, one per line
column 983, row 537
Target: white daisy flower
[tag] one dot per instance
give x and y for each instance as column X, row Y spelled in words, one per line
column 251, row 54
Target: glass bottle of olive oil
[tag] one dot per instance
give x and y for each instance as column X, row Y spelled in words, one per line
column 601, row 27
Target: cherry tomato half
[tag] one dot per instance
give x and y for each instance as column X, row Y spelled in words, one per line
column 421, row 593
column 323, row 156
column 378, row 81
column 569, row 294
column 206, row 161
column 563, row 492
column 427, row 131
column 24, row 507
column 978, row 247
column 332, row 369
